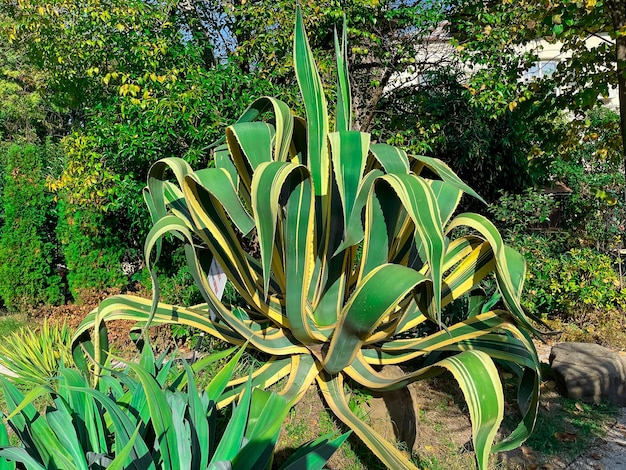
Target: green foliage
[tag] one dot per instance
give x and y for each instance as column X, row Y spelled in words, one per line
column 489, row 152
column 10, row 324
column 93, row 251
column 594, row 213
column 28, row 254
column 571, row 285
column 341, row 253
column 35, row 357
column 589, row 36
column 571, row 270
column 22, row 110
column 85, row 181
column 149, row 416
column 519, row 214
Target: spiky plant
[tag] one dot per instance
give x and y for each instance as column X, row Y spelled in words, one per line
column 149, row 416
column 355, row 262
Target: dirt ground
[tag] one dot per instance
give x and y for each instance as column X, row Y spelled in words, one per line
column 443, row 429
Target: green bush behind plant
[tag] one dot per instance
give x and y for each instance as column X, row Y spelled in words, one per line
column 571, row 240
column 92, row 249
column 565, row 278
column 27, row 243
column 571, row 284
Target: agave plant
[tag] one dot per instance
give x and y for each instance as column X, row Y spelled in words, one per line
column 137, row 419
column 342, row 251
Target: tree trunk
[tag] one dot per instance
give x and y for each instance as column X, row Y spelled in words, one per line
column 620, row 48
column 617, row 12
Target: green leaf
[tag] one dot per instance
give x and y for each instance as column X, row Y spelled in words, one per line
column 161, row 418
column 122, row 456
column 232, row 439
column 344, row 96
column 18, row 454
column 374, row 298
column 316, row 108
column 349, row 152
column 314, row 455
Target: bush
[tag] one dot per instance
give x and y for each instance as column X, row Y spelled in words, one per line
column 592, row 168
column 522, row 213
column 93, row 251
column 28, row 255
column 571, row 285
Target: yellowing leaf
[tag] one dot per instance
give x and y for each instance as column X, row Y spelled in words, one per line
column 512, row 105
column 590, row 5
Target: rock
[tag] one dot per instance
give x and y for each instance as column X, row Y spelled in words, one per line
column 589, row 372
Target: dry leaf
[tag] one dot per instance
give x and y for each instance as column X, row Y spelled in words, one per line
column 528, row 453
column 579, row 407
column 596, row 456
column 565, row 436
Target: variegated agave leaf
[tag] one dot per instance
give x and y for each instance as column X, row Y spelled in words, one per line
column 355, row 259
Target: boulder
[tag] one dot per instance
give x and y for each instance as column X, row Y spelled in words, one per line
column 589, row 372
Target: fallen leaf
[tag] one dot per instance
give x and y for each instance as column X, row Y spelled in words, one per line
column 565, row 436
column 596, row 456
column 528, row 453
column 551, row 384
column 579, row 407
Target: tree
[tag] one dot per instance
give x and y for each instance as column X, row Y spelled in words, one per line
column 488, row 151
column 492, row 34
column 391, row 42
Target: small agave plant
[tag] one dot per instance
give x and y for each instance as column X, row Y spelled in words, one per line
column 149, row 416
column 356, row 263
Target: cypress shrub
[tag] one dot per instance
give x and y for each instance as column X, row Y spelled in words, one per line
column 28, row 255
column 93, row 250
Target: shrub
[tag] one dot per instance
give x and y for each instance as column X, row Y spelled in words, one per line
column 592, row 167
column 571, row 285
column 92, row 250
column 521, row 214
column 28, row 256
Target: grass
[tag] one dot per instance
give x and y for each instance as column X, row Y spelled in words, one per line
column 11, row 323
column 570, row 427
